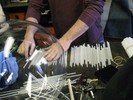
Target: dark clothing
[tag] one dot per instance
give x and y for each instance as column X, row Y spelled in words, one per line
column 66, row 12
column 120, row 86
column 119, row 23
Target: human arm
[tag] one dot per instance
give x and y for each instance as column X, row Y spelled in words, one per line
column 55, row 51
column 86, row 20
column 33, row 14
column 28, row 44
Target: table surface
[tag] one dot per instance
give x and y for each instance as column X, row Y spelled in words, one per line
column 116, row 48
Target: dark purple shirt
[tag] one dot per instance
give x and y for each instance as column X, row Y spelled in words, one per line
column 66, row 12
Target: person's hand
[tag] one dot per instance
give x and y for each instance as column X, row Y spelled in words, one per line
column 26, row 47
column 54, row 51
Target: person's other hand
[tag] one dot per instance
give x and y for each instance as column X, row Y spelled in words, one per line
column 26, row 47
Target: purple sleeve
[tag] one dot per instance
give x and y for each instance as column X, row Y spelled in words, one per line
column 34, row 9
column 92, row 12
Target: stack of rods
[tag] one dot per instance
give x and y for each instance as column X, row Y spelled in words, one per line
column 98, row 56
column 52, row 87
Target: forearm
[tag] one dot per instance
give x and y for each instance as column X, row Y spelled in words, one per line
column 73, row 33
column 30, row 31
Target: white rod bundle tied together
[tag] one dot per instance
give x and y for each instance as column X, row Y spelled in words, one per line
column 127, row 44
column 97, row 56
column 8, row 46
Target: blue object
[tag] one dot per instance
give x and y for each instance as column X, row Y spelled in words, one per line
column 8, row 70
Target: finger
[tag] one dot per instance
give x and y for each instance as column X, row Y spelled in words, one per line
column 26, row 49
column 47, row 52
column 32, row 49
column 56, row 57
column 50, row 55
column 20, row 50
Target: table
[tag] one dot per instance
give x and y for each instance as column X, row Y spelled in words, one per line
column 116, row 48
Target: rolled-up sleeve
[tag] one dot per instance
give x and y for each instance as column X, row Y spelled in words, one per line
column 34, row 9
column 92, row 12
